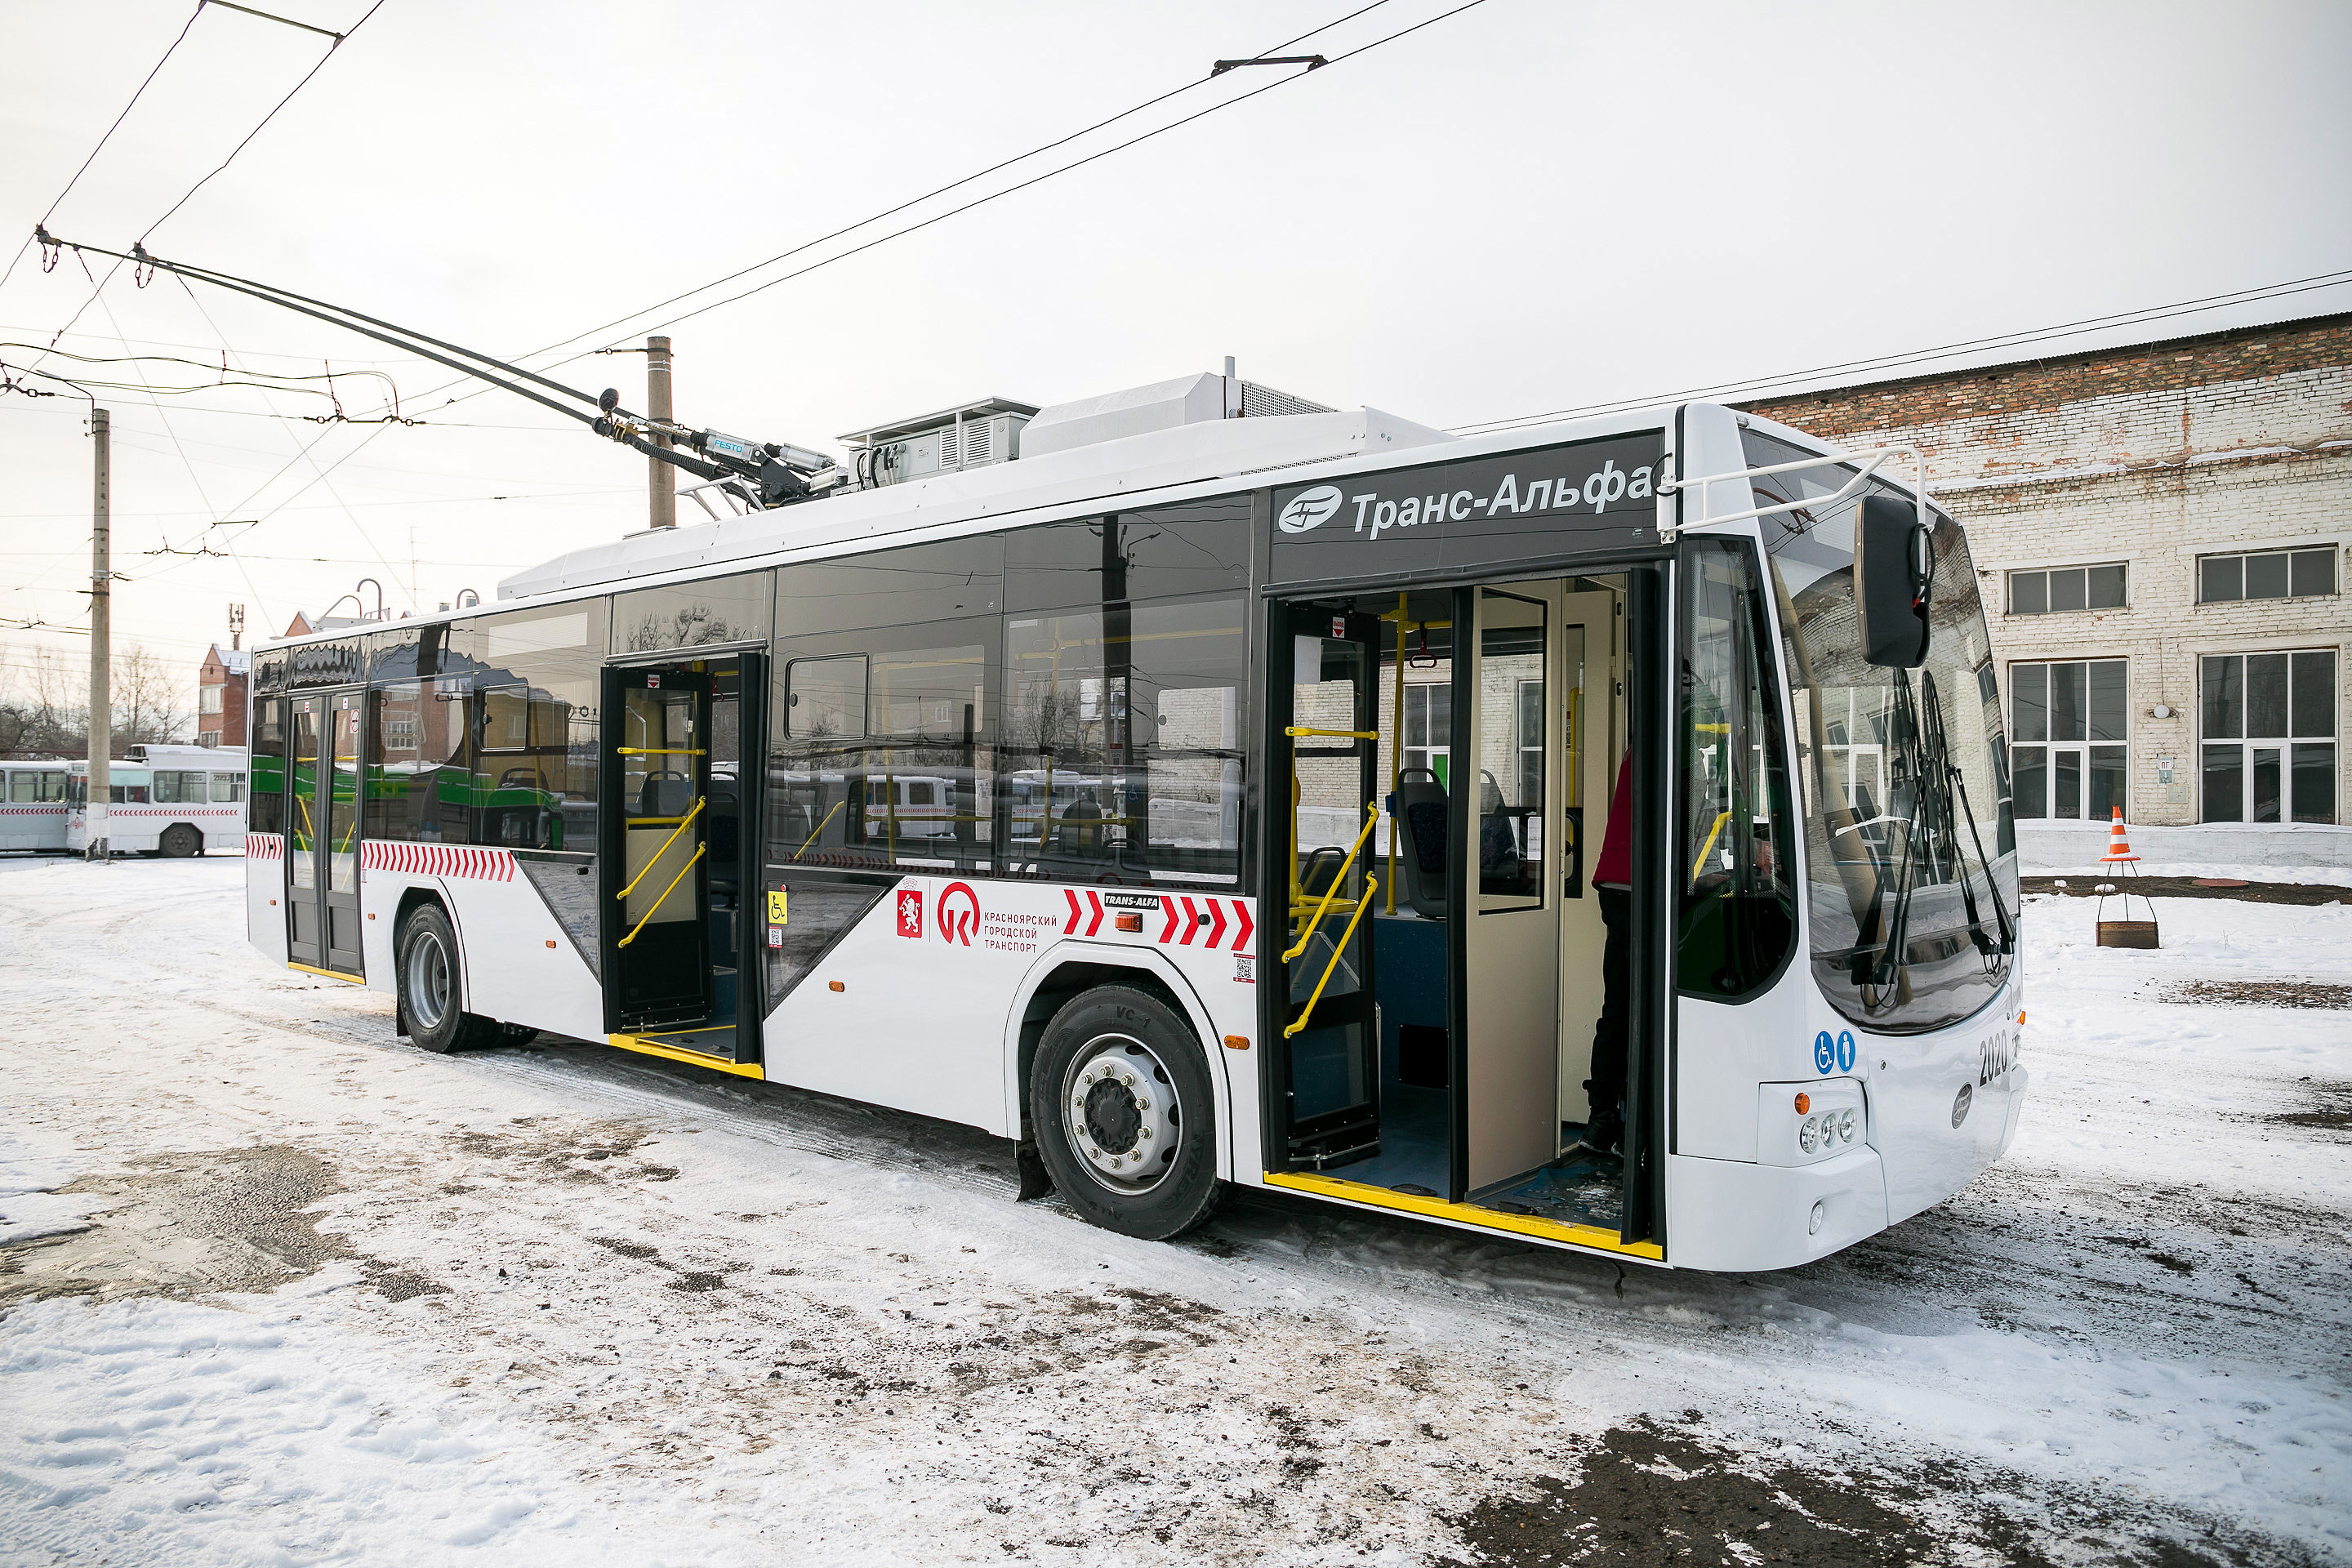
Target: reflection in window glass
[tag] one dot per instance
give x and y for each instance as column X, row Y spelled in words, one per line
column 1122, row 747
column 1511, row 655
column 885, row 756
column 228, row 788
column 420, row 788
column 1897, row 879
column 1734, row 876
column 688, row 615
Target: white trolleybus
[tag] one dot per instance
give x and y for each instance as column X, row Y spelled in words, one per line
column 165, row 800
column 1198, row 800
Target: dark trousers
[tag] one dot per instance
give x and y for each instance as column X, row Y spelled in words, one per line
column 1606, row 1087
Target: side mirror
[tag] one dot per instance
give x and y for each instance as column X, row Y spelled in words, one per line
column 1893, row 564
column 609, row 400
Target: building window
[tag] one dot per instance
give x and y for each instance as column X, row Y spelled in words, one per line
column 1429, row 727
column 208, row 699
column 2060, row 588
column 2266, row 575
column 2068, row 724
column 2269, row 736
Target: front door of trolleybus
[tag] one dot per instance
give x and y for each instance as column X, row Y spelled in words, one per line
column 322, row 839
column 1466, row 1025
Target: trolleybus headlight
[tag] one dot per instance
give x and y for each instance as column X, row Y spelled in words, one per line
column 1845, row 1126
column 1808, row 1136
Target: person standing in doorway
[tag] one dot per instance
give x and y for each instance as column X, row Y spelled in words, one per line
column 1613, row 883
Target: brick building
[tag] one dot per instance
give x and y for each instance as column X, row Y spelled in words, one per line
column 2159, row 534
column 221, row 683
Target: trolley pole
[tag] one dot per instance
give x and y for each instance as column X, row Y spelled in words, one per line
column 102, row 718
column 662, row 479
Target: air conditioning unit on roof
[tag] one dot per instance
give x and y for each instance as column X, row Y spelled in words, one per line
column 969, row 435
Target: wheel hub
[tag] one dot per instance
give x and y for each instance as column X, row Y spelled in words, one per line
column 1121, row 1113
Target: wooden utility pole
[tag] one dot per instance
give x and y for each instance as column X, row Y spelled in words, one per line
column 101, row 716
column 662, row 479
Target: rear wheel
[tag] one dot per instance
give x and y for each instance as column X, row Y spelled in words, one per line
column 429, row 981
column 180, row 841
column 1124, row 1114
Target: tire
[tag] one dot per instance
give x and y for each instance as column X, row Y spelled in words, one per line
column 1124, row 1114
column 180, row 841
column 430, row 984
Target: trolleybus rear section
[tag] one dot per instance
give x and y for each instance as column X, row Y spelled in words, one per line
column 1513, row 833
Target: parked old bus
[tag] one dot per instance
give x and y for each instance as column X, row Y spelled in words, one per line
column 1204, row 802
column 173, row 801
column 33, row 806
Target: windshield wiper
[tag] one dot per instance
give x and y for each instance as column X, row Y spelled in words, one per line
column 1923, row 752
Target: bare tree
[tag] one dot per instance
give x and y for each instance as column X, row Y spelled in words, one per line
column 42, row 708
column 151, row 699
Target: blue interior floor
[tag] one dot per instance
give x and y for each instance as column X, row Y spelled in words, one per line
column 1413, row 1143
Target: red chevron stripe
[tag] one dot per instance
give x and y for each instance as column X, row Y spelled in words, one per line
column 1242, row 914
column 1216, row 932
column 1094, row 899
column 1168, row 907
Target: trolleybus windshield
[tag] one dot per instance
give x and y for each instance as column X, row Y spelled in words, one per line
column 1911, row 860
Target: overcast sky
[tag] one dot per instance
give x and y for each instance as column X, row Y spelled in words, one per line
column 1526, row 206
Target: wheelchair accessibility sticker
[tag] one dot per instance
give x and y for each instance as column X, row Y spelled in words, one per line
column 1833, row 1055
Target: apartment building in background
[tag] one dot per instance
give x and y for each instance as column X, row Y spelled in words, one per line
column 2160, row 535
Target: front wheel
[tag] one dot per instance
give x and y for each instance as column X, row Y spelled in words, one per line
column 1125, row 1115
column 429, row 990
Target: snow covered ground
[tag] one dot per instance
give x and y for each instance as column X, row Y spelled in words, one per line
column 279, row 1288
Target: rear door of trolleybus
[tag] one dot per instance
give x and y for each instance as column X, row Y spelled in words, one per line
column 322, row 839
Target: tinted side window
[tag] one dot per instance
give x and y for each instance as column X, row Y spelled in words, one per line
column 1733, row 861
column 1122, row 754
column 1197, row 547
column 267, row 763
column 692, row 615
column 948, row 579
column 419, row 788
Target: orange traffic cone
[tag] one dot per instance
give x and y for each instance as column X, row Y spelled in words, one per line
column 2125, row 933
column 2119, row 847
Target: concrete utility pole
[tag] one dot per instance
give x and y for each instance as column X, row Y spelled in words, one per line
column 101, row 716
column 662, row 479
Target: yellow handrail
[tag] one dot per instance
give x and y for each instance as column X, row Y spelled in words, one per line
column 1296, row 730
column 1696, row 866
column 682, row 823
column 1371, row 885
column 819, row 827
column 1371, row 819
column 659, row 751
column 666, row 892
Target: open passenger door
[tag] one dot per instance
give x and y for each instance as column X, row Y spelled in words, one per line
column 1326, row 1067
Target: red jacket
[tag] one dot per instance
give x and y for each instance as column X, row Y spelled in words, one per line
column 1615, row 866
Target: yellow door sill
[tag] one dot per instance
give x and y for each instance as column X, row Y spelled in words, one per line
column 1585, row 1236
column 716, row 1064
column 328, row 973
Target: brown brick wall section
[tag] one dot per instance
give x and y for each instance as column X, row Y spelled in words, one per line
column 2248, row 353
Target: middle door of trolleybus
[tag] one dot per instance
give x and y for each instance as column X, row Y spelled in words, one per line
column 322, row 851
column 682, row 845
